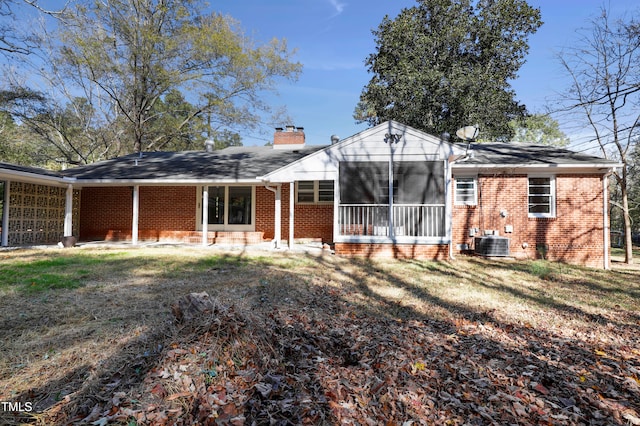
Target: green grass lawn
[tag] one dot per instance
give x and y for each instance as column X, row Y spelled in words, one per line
column 616, row 251
column 88, row 335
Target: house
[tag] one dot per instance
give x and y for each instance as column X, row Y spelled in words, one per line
column 390, row 190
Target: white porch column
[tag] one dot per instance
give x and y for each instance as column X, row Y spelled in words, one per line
column 136, row 212
column 205, row 215
column 336, row 207
column 392, row 226
column 278, row 217
column 68, row 212
column 292, row 196
column 5, row 214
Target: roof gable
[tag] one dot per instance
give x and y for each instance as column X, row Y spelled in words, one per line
column 379, row 143
column 397, row 139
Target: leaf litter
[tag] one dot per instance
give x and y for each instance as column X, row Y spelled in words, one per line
column 318, row 344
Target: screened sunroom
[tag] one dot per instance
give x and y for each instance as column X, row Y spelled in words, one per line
column 393, row 200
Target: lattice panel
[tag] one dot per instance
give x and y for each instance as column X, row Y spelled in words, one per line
column 36, row 213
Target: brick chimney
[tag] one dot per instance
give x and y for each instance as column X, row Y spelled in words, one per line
column 290, row 137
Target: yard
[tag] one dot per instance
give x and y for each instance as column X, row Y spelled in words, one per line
column 88, row 336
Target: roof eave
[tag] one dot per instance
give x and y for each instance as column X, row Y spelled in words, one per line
column 161, row 182
column 564, row 166
column 36, row 178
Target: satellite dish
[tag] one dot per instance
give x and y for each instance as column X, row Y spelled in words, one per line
column 468, row 133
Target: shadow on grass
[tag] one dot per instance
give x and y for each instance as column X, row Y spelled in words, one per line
column 330, row 326
column 593, row 288
column 496, row 362
column 138, row 314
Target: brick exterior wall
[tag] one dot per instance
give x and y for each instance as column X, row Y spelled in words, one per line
column 575, row 235
column 165, row 213
column 395, row 251
column 312, row 221
column 169, row 213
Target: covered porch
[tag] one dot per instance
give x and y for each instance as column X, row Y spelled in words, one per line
column 392, row 189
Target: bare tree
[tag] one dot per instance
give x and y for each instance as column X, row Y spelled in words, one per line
column 604, row 94
column 138, row 51
column 13, row 38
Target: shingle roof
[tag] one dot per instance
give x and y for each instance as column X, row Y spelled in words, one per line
column 248, row 163
column 519, row 154
column 31, row 170
column 233, row 163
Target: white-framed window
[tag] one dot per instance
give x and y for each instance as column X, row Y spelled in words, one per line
column 314, row 191
column 541, row 195
column 230, row 208
column 325, row 191
column 466, row 191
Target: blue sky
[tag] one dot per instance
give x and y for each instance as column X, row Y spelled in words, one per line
column 333, row 39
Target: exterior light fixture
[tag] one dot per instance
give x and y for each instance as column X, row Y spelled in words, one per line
column 392, row 137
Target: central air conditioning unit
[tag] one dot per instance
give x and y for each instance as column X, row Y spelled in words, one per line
column 492, row 246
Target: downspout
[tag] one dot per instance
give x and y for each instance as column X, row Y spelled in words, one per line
column 605, row 219
column 277, row 232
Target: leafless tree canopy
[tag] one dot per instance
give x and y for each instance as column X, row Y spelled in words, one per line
column 604, row 95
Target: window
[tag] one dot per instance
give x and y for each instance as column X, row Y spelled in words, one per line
column 216, row 205
column 306, row 193
column 325, row 191
column 239, row 205
column 541, row 195
column 466, row 192
column 314, row 191
column 230, row 207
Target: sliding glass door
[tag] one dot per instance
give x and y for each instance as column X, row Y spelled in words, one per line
column 231, row 208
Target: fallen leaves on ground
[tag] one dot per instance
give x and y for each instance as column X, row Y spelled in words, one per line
column 330, row 353
column 295, row 367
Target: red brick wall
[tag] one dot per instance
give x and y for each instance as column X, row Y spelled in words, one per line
column 168, row 208
column 107, row 212
column 396, row 251
column 167, row 212
column 575, row 235
column 310, row 220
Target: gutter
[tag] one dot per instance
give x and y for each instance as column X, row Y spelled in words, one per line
column 130, row 182
column 607, row 166
column 35, row 178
